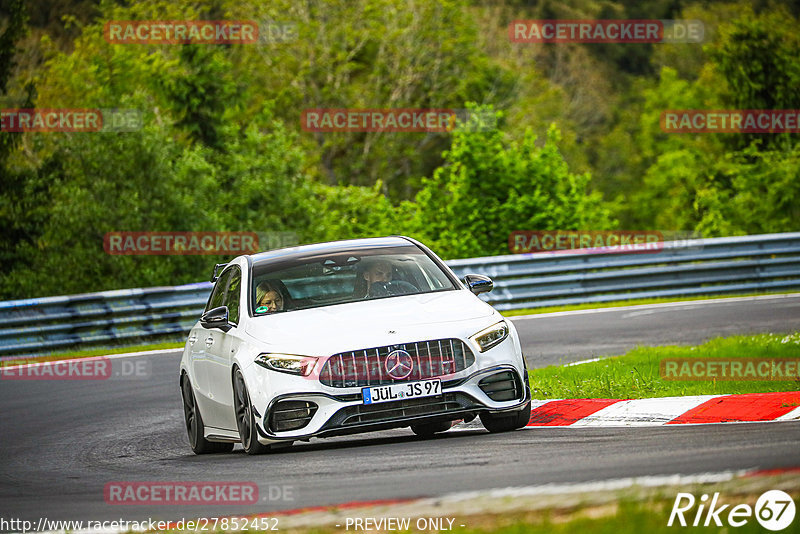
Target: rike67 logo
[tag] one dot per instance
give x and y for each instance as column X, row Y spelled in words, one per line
column 774, row 510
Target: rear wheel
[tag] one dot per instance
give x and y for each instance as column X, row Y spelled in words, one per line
column 245, row 420
column 505, row 422
column 427, row 430
column 194, row 424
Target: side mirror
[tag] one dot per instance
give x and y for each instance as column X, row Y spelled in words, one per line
column 478, row 283
column 216, row 318
column 215, row 273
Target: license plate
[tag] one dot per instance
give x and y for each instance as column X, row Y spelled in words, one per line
column 406, row 390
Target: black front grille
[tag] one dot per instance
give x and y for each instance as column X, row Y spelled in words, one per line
column 367, row 367
column 503, row 386
column 291, row 415
column 396, row 410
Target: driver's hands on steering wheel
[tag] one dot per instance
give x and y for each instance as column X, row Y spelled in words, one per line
column 393, row 288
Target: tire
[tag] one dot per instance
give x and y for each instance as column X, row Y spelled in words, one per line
column 245, row 420
column 427, row 430
column 194, row 424
column 506, row 422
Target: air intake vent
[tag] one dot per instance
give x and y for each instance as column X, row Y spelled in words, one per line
column 291, row 415
column 503, row 386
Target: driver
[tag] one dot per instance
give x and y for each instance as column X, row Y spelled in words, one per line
column 379, row 276
column 378, row 272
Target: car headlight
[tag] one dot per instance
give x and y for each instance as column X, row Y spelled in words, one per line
column 489, row 337
column 287, row 363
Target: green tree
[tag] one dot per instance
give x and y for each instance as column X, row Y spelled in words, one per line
column 372, row 54
column 349, row 212
column 757, row 57
column 488, row 188
column 761, row 193
column 725, row 184
column 15, row 189
column 104, row 182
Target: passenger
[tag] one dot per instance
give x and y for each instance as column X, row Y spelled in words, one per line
column 270, row 294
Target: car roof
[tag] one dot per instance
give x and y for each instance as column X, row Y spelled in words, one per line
column 332, row 247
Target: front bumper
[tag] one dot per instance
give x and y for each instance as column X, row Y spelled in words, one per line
column 497, row 389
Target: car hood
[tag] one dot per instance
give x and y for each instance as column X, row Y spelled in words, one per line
column 332, row 329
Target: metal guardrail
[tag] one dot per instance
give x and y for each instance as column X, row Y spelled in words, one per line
column 696, row 267
column 39, row 326
column 682, row 268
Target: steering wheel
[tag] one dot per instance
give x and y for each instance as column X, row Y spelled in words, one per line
column 393, row 288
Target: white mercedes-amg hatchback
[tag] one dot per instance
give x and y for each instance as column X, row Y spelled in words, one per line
column 347, row 337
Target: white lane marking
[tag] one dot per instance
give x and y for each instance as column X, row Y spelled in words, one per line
column 639, row 313
column 582, row 362
column 643, row 412
column 143, row 353
column 32, row 362
column 600, row 485
column 791, row 416
column 690, row 303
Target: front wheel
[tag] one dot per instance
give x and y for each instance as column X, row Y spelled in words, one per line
column 245, row 420
column 194, row 424
column 499, row 422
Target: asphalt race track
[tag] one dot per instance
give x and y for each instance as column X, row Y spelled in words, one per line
column 62, row 441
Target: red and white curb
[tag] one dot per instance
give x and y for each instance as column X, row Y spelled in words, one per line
column 700, row 409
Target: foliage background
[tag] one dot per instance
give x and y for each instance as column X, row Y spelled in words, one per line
column 577, row 145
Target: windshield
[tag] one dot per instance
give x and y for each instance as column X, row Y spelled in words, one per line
column 321, row 279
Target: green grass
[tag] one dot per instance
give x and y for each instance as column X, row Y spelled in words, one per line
column 627, row 515
column 632, row 302
column 636, row 374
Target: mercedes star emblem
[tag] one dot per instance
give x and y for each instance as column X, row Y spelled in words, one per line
column 399, row 364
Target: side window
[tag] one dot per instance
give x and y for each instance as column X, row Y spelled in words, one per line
column 232, row 295
column 218, row 293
